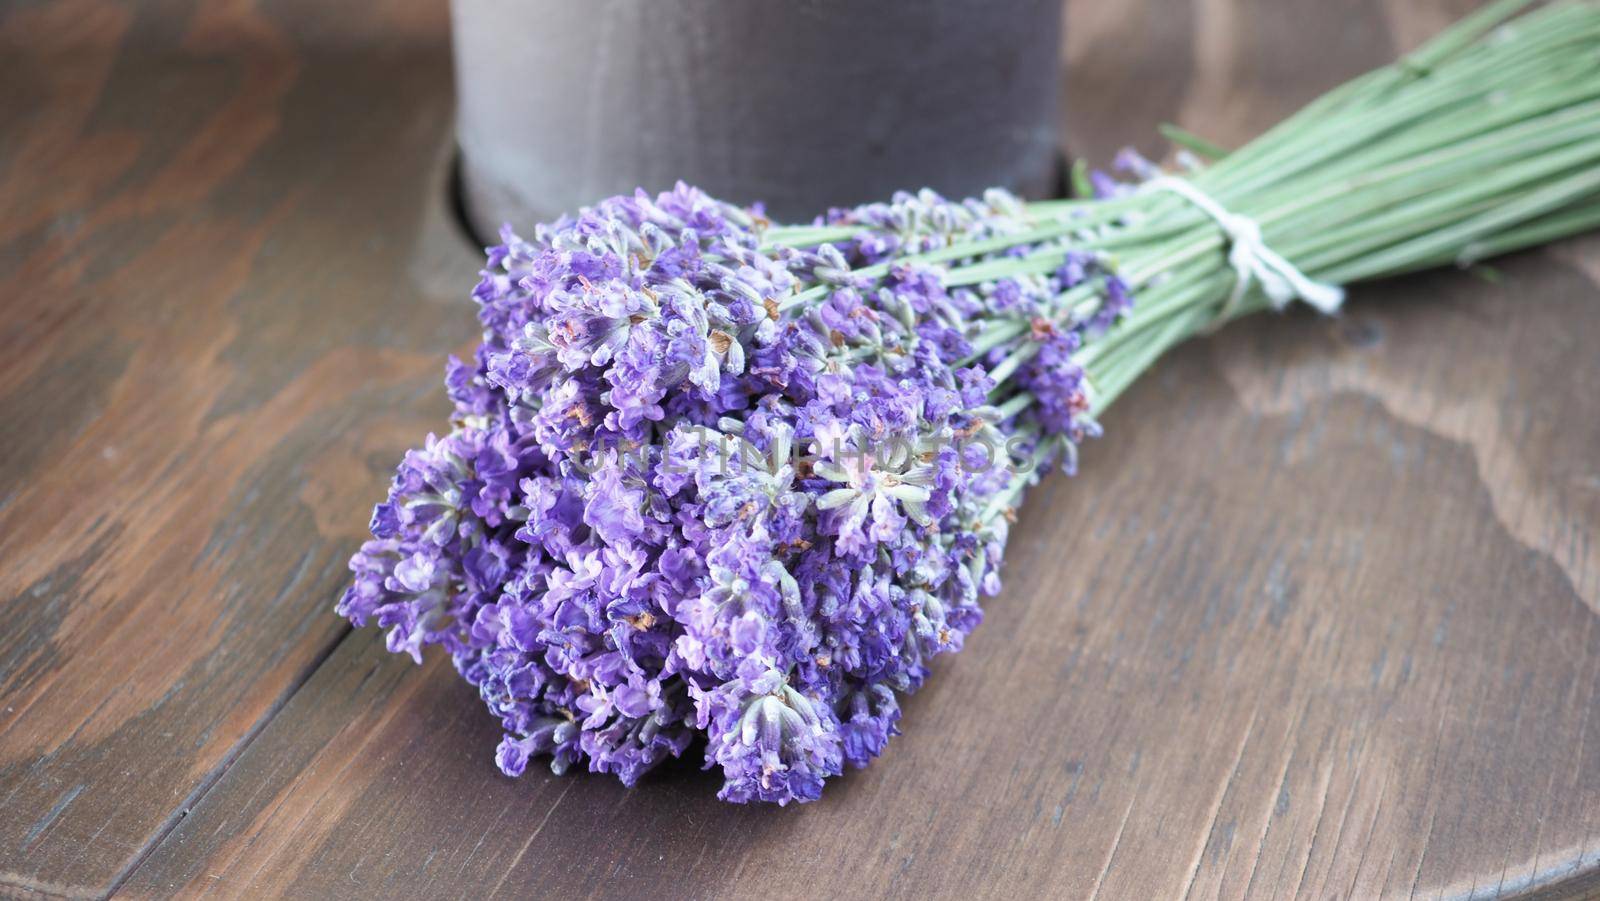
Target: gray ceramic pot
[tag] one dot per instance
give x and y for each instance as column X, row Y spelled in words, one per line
column 803, row 104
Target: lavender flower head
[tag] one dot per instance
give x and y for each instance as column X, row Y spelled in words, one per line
column 699, row 484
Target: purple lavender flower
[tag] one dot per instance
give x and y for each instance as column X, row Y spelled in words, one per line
column 674, row 504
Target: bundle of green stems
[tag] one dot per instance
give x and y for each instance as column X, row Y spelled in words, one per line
column 1483, row 141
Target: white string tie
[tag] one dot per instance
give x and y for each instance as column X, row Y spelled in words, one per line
column 1252, row 260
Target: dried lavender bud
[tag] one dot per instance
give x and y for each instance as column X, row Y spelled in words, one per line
column 669, row 509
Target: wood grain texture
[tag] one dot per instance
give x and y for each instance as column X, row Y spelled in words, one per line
column 202, row 376
column 1319, row 617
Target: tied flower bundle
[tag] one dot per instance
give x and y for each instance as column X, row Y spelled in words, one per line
column 711, row 477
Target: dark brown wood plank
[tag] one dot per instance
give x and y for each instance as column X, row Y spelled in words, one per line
column 1318, row 618
column 216, row 336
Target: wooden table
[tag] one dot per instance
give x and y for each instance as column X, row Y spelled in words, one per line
column 1317, row 619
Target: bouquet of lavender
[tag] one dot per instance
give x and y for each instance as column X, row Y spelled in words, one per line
column 708, row 476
